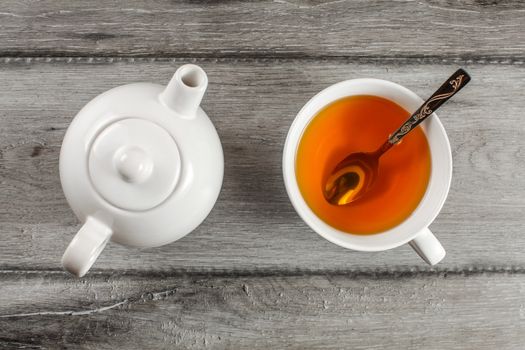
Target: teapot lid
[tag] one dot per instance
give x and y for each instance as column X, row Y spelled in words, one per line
column 134, row 164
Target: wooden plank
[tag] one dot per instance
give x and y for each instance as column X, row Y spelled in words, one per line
column 252, row 103
column 343, row 28
column 386, row 311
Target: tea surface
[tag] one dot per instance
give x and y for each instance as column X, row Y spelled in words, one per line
column 362, row 124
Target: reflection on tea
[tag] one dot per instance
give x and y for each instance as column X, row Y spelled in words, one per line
column 361, row 124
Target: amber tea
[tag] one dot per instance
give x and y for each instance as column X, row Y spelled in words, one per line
column 361, row 124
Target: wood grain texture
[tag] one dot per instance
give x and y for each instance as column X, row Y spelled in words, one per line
column 252, row 103
column 253, row 275
column 386, row 311
column 314, row 28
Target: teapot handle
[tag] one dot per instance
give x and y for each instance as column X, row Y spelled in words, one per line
column 86, row 246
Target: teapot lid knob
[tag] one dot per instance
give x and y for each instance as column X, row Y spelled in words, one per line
column 134, row 164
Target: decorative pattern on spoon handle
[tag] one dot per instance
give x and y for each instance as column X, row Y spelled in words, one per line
column 453, row 84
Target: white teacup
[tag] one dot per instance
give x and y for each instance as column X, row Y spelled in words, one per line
column 413, row 230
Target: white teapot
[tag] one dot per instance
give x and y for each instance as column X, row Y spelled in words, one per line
column 141, row 165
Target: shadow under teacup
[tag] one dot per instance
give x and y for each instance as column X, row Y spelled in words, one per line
column 414, row 229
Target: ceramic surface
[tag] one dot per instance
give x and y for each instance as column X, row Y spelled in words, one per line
column 141, row 165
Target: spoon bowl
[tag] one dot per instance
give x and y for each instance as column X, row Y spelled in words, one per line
column 351, row 178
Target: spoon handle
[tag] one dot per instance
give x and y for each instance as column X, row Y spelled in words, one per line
column 449, row 88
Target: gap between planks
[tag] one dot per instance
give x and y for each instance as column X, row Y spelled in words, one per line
column 399, row 60
column 378, row 274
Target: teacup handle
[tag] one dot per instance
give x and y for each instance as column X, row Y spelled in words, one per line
column 428, row 247
column 86, row 246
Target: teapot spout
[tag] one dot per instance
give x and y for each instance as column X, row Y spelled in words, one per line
column 185, row 90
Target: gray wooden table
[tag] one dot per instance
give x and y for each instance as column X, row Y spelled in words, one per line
column 253, row 275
